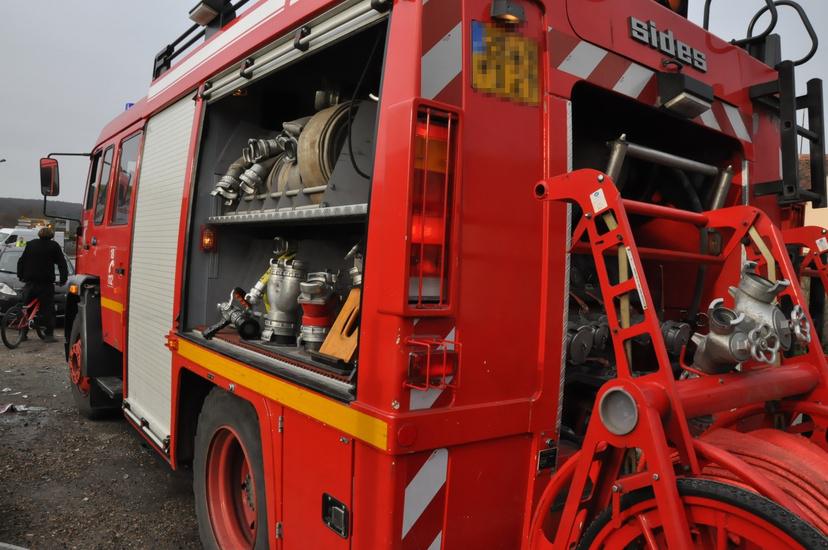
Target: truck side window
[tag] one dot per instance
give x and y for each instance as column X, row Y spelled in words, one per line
column 100, row 201
column 94, row 176
column 126, row 179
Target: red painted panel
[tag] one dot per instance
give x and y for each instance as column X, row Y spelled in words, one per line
column 730, row 69
column 316, row 459
column 486, row 489
column 104, row 249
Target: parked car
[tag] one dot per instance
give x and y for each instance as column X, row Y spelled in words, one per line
column 11, row 288
column 18, row 236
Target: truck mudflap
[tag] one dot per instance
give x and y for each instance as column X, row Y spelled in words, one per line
column 76, row 285
column 85, row 305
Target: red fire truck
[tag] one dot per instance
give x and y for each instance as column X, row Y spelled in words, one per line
column 480, row 273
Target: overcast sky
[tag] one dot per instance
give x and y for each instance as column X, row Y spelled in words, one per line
column 72, row 65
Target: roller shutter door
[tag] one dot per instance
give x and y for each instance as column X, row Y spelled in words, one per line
column 154, row 254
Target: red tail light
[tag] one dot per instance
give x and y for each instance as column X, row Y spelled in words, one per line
column 432, row 363
column 432, row 203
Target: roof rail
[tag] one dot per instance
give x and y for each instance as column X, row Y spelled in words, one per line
column 164, row 58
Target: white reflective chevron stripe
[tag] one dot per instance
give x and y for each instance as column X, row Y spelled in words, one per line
column 736, row 120
column 442, row 63
column 708, row 118
column 423, row 488
column 437, row 542
column 420, row 399
column 633, row 81
column 582, row 60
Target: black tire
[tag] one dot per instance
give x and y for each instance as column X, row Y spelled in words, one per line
column 795, row 527
column 11, row 336
column 223, row 410
column 93, row 404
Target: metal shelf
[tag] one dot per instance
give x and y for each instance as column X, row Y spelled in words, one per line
column 321, row 213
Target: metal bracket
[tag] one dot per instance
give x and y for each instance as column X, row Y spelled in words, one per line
column 245, row 71
column 301, row 33
column 381, row 6
column 547, row 458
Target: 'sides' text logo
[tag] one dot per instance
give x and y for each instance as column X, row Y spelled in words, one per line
column 664, row 41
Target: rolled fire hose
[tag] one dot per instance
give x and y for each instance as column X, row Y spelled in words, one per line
column 321, row 142
column 254, row 179
column 228, row 186
column 289, row 178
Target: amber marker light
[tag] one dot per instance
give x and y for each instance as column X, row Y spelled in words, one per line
column 208, row 239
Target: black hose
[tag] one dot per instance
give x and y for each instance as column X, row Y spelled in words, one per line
column 353, row 102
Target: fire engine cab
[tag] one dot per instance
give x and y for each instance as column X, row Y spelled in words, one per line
column 428, row 274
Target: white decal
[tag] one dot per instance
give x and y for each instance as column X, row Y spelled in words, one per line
column 598, row 200
column 637, row 280
column 110, row 271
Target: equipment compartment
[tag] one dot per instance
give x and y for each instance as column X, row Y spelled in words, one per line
column 280, row 214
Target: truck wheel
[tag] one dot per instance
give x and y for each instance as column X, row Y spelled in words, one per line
column 90, row 400
column 720, row 516
column 228, row 475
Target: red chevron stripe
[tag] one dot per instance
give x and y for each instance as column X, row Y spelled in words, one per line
column 453, row 92
column 609, row 70
column 649, row 94
column 721, row 118
column 413, row 464
column 428, row 525
column 439, row 17
column 560, row 45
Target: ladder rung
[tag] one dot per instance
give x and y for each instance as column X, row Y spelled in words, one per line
column 807, row 134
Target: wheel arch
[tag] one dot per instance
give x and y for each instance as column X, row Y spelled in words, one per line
column 100, row 359
column 192, row 391
column 82, row 282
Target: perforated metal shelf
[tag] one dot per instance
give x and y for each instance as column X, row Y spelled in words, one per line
column 296, row 214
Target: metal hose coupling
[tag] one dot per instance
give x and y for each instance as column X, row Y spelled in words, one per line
column 254, row 179
column 229, row 184
column 282, row 291
column 318, row 302
column 254, row 295
column 756, row 328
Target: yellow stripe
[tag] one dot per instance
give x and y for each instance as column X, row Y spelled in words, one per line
column 114, row 305
column 351, row 421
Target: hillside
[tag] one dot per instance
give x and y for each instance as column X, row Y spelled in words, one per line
column 11, row 209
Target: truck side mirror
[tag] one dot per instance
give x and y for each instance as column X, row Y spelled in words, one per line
column 49, row 177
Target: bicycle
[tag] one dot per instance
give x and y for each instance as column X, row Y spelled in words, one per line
column 18, row 320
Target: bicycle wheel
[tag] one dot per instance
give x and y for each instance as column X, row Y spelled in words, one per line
column 13, row 327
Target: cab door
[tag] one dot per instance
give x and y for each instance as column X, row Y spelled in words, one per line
column 107, row 227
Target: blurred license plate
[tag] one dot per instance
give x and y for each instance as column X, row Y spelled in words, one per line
column 504, row 63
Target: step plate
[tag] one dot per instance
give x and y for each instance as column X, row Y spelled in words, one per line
column 112, row 386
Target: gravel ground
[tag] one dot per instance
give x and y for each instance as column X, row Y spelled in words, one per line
column 66, row 482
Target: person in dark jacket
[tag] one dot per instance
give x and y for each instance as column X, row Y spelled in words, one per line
column 36, row 268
